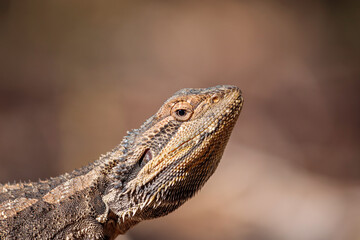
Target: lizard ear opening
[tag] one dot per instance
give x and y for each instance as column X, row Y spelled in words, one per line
column 145, row 158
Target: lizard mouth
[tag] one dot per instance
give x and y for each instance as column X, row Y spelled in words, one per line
column 146, row 157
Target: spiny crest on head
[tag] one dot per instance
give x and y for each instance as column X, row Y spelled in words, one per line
column 197, row 91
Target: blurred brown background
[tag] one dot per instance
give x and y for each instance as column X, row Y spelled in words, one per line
column 75, row 75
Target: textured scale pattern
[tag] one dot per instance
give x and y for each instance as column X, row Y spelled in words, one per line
column 152, row 172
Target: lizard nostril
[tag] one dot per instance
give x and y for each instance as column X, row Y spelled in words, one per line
column 215, row 99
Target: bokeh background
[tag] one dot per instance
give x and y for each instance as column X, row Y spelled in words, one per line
column 75, row 75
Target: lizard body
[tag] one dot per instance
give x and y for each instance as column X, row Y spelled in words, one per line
column 153, row 171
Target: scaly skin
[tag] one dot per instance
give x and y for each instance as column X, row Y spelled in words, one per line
column 154, row 170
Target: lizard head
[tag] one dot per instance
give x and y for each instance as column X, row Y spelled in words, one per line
column 170, row 157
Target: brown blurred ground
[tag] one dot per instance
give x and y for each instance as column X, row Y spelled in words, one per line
column 74, row 76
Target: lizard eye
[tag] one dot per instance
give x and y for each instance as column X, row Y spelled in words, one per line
column 182, row 111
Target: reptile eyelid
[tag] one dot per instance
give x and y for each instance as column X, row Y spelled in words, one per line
column 182, row 106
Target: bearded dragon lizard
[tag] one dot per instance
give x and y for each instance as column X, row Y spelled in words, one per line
column 153, row 171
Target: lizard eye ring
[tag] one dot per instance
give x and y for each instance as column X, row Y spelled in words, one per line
column 182, row 111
